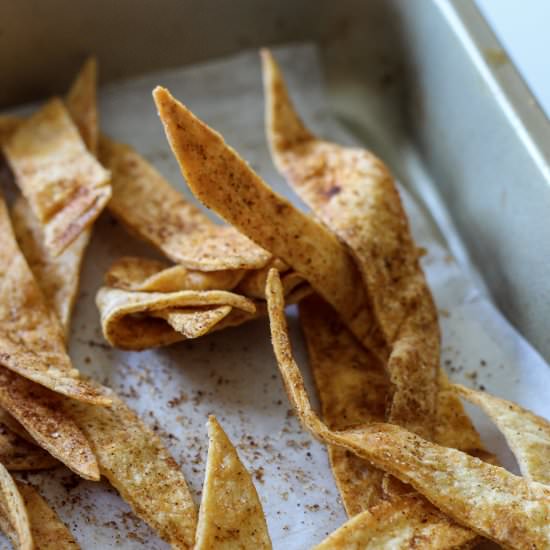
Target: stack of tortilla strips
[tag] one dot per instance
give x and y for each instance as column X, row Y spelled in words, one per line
column 407, row 460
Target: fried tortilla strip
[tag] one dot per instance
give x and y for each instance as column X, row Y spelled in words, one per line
column 146, row 275
column 157, row 213
column 410, row 522
column 8, row 126
column 39, row 412
column 231, row 515
column 18, row 454
column 474, row 493
column 14, row 520
column 48, row 531
column 354, row 194
column 133, row 459
column 31, row 338
column 137, row 320
column 65, row 186
column 527, row 434
column 224, row 182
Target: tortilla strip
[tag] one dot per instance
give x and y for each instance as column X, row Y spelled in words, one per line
column 8, row 126
column 14, row 520
column 224, row 182
column 38, row 411
column 354, row 194
column 134, row 320
column 146, row 275
column 64, row 184
column 18, row 454
column 474, row 493
column 31, row 338
column 231, row 515
column 133, row 459
column 157, row 213
column 48, row 531
column 527, row 434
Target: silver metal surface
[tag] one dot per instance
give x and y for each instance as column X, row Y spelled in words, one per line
column 421, row 82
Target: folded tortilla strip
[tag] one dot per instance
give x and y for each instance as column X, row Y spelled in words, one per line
column 48, row 531
column 231, row 515
column 527, row 434
column 18, row 454
column 474, row 493
column 156, row 212
column 354, row 194
column 8, row 126
column 133, row 459
column 14, row 520
column 31, row 338
column 146, row 275
column 37, row 409
column 224, row 182
column 65, row 186
column 135, row 320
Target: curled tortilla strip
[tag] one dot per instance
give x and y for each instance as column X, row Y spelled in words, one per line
column 136, row 320
column 14, row 520
column 65, row 186
column 527, row 434
column 38, row 411
column 58, row 277
column 224, row 182
column 8, row 126
column 133, row 459
column 48, row 531
column 157, row 213
column 17, row 453
column 146, row 275
column 503, row 507
column 231, row 515
column 31, row 338
column 354, row 194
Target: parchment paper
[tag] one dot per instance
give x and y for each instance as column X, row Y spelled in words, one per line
column 233, row 373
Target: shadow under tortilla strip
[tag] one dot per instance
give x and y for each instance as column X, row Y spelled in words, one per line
column 146, row 275
column 14, row 520
column 527, row 434
column 224, row 182
column 17, row 454
column 354, row 194
column 352, row 386
column 38, row 410
column 474, row 493
column 231, row 515
column 57, row 277
column 133, row 459
column 134, row 320
column 31, row 338
column 65, row 186
column 156, row 212
column 49, row 532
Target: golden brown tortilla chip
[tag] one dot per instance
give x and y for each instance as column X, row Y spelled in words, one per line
column 354, row 194
column 14, row 520
column 527, row 434
column 134, row 320
column 408, row 523
column 48, row 531
column 38, row 411
column 146, row 275
column 58, row 277
column 193, row 323
column 64, row 184
column 8, row 126
column 18, row 454
column 156, row 212
column 133, row 459
column 474, row 493
column 224, row 182
column 231, row 515
column 81, row 102
column 31, row 338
